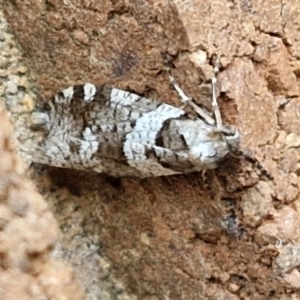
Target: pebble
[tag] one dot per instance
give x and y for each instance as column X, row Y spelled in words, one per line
column 28, row 102
column 11, row 88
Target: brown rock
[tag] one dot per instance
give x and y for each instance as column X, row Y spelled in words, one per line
column 284, row 226
column 256, row 203
column 165, row 237
column 28, row 234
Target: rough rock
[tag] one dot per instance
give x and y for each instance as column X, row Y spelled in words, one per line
column 233, row 237
column 28, row 232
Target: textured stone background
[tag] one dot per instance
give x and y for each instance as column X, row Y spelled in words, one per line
column 173, row 238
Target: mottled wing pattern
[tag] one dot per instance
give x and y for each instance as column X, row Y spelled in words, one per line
column 105, row 129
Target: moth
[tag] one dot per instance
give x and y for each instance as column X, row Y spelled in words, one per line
column 108, row 130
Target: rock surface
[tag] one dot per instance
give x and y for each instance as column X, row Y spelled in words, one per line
column 174, row 237
column 28, row 233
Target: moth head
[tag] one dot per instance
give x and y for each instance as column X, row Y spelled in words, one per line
column 208, row 146
column 232, row 137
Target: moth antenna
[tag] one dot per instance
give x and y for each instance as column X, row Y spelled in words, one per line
column 248, row 156
column 252, row 159
column 188, row 100
column 214, row 102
